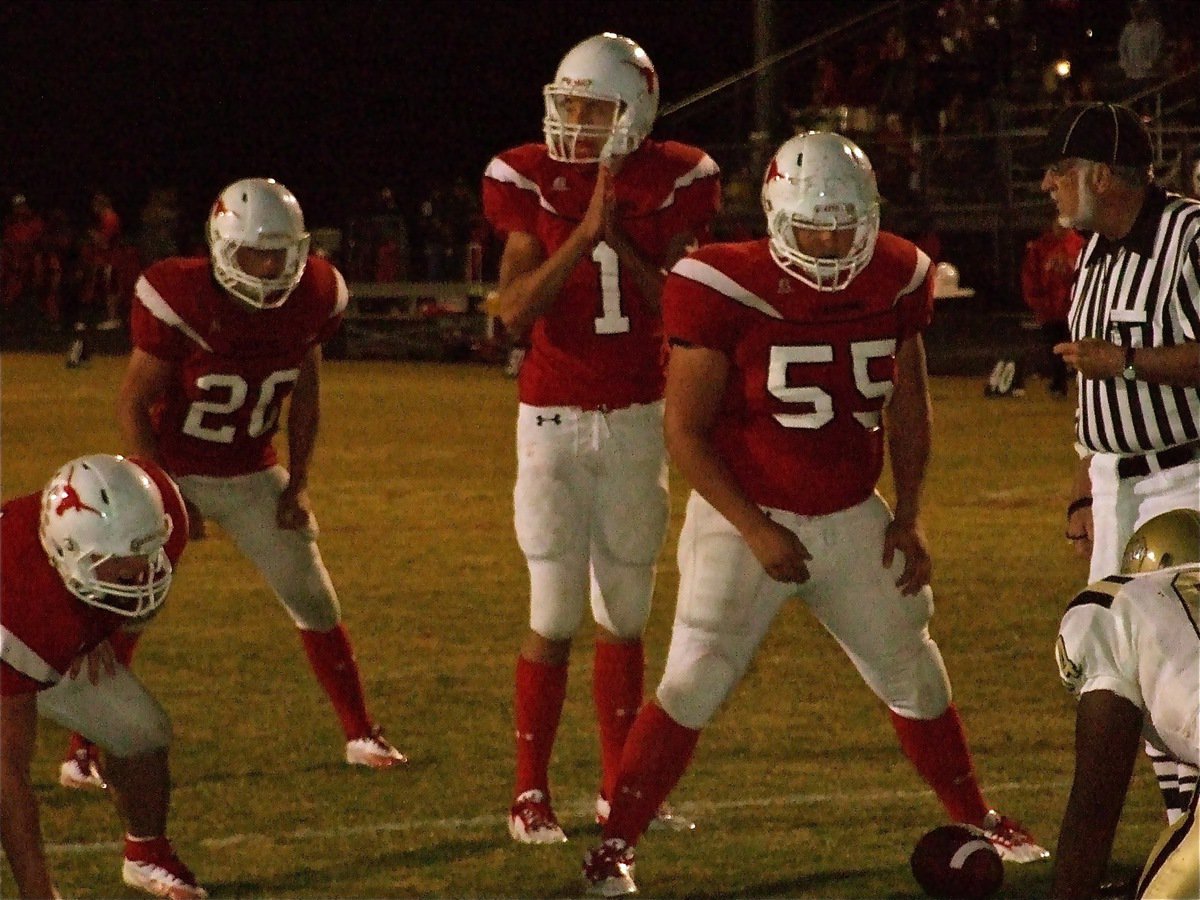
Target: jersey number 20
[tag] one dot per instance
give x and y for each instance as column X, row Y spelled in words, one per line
column 263, row 418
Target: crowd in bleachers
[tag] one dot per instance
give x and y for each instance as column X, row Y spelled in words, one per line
column 924, row 95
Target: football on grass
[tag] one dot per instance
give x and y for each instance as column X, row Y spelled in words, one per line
column 957, row 861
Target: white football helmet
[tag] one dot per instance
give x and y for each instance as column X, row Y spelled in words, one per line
column 604, row 67
column 259, row 213
column 97, row 507
column 821, row 181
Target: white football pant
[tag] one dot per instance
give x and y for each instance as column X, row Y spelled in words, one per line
column 118, row 714
column 244, row 507
column 590, row 509
column 727, row 602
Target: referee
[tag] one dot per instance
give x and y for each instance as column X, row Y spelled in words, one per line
column 1134, row 325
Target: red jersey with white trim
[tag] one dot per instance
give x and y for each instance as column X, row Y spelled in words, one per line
column 600, row 345
column 800, row 425
column 235, row 365
column 43, row 626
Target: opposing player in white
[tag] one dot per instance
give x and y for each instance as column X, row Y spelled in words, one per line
column 1129, row 648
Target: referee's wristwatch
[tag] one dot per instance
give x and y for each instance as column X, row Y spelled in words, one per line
column 1129, row 373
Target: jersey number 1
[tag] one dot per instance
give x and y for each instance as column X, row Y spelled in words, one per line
column 610, row 321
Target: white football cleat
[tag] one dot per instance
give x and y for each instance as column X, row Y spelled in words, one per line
column 1011, row 840
column 608, row 869
column 81, row 771
column 531, row 820
column 374, row 751
column 666, row 819
column 158, row 871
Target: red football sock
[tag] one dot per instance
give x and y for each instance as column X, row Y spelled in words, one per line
column 538, row 703
column 617, row 692
column 938, row 750
column 332, row 660
column 657, row 753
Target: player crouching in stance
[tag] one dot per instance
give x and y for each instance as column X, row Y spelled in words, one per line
column 1129, row 649
column 218, row 346
column 787, row 356
column 93, row 552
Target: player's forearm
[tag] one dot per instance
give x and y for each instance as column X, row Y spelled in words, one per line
column 137, row 429
column 527, row 296
column 1178, row 365
column 698, row 462
column 22, row 836
column 648, row 277
column 303, row 423
column 1084, row 847
column 909, row 442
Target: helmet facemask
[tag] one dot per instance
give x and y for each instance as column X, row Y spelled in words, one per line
column 820, row 272
column 562, row 137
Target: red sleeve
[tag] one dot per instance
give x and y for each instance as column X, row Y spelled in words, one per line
column 507, row 206
column 695, row 314
column 172, row 503
column 328, row 281
column 699, row 203
column 13, row 682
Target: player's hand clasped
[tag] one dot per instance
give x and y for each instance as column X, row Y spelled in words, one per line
column 100, row 660
column 918, row 567
column 781, row 553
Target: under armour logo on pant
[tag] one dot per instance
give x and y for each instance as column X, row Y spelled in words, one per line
column 556, row 419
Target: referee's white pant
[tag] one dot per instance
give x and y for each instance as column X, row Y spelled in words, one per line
column 1121, row 505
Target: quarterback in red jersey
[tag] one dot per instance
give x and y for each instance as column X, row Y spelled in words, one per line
column 93, row 552
column 593, row 217
column 788, row 355
column 218, row 345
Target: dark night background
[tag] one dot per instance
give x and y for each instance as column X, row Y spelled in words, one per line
column 333, row 99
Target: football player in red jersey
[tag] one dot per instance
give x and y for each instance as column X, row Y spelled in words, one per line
column 787, row 356
column 91, row 553
column 218, row 345
column 593, row 217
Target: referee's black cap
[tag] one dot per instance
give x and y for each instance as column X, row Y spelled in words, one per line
column 1100, row 132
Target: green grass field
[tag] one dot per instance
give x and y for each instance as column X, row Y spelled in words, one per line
column 798, row 786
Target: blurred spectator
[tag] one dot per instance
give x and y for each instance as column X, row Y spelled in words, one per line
column 158, row 237
column 1046, row 276
column 437, row 238
column 1140, row 49
column 894, row 158
column 828, row 86
column 60, row 249
column 862, row 84
column 19, row 262
column 391, row 233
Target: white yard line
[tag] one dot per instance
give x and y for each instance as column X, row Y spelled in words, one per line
column 581, row 810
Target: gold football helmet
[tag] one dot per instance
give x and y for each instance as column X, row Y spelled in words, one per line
column 1170, row 539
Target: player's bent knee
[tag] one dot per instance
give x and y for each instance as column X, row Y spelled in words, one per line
column 918, row 687
column 147, row 732
column 692, row 694
column 622, row 606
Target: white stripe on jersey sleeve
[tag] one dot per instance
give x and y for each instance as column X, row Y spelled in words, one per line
column 499, row 170
column 157, row 306
column 343, row 294
column 923, row 264
column 706, row 168
column 701, row 272
column 25, row 659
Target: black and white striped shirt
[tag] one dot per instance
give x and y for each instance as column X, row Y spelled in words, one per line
column 1142, row 290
